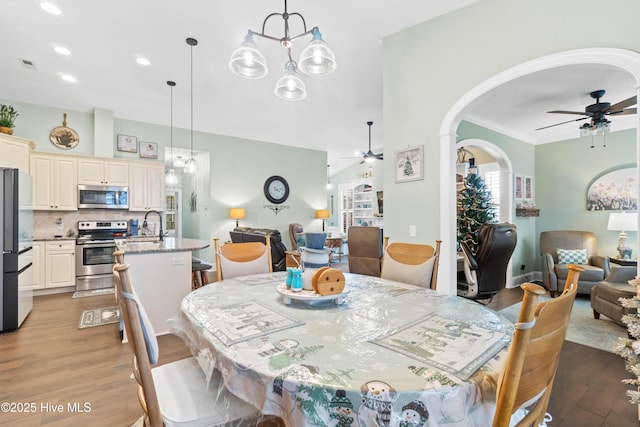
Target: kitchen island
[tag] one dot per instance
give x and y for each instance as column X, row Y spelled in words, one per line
column 160, row 272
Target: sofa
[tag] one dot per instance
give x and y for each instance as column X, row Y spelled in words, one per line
column 278, row 248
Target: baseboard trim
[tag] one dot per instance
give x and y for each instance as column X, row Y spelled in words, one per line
column 523, row 278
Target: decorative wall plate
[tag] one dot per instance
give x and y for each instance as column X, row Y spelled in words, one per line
column 64, row 137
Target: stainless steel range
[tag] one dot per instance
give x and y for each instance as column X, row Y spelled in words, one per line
column 94, row 253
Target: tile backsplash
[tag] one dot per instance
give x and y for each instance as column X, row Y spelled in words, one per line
column 45, row 223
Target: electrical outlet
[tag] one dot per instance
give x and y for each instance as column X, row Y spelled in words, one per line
column 412, row 231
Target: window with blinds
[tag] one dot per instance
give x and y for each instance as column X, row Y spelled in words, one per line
column 490, row 173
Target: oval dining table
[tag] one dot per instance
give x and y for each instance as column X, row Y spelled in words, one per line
column 382, row 353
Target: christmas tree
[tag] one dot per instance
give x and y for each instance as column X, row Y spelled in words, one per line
column 474, row 208
column 629, row 348
column 408, row 167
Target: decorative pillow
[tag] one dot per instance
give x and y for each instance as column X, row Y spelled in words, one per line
column 315, row 240
column 572, row 256
column 419, row 275
column 300, row 240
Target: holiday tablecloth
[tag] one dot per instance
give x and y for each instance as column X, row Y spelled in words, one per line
column 390, row 355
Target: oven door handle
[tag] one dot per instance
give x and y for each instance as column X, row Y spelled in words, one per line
column 95, row 244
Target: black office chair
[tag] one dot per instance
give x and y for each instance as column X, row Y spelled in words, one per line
column 486, row 271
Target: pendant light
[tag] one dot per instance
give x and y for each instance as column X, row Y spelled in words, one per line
column 170, row 178
column 315, row 60
column 329, row 184
column 190, row 165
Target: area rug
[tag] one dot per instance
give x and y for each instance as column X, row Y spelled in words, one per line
column 93, row 292
column 99, row 316
column 583, row 329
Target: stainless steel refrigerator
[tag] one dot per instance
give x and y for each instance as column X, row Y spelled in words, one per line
column 16, row 220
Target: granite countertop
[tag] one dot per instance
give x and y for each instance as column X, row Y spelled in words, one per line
column 51, row 238
column 169, row 244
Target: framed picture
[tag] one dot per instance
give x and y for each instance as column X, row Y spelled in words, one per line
column 148, row 150
column 409, row 164
column 518, row 187
column 528, row 188
column 614, row 190
column 127, row 143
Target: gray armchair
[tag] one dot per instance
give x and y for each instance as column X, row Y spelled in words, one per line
column 554, row 275
column 605, row 296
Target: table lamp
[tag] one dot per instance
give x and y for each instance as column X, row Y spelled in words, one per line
column 623, row 221
column 322, row 214
column 237, row 214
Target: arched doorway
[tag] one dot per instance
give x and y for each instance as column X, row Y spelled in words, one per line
column 506, row 170
column 620, row 58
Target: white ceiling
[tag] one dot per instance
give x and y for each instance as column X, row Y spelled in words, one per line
column 106, row 37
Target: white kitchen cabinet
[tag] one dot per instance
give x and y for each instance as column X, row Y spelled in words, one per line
column 54, row 182
column 60, row 264
column 146, row 187
column 103, row 172
column 38, row 265
column 14, row 152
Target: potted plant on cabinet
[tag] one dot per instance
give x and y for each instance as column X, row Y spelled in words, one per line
column 8, row 116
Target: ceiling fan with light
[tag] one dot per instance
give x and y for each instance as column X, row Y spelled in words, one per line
column 370, row 156
column 598, row 113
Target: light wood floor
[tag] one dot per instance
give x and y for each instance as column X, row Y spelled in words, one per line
column 50, row 362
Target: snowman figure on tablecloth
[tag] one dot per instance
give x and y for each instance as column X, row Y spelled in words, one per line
column 341, row 410
column 414, row 414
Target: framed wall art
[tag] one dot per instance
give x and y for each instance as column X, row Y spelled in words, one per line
column 409, row 164
column 613, row 191
column 528, row 188
column 148, row 150
column 127, row 143
column 518, row 187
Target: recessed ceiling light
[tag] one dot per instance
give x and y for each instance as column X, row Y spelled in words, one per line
column 51, row 8
column 143, row 61
column 68, row 78
column 62, row 50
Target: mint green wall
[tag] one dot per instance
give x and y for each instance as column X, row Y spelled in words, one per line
column 233, row 175
column 523, row 159
column 564, row 172
column 428, row 67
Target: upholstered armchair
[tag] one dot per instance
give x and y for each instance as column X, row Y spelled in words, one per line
column 295, row 235
column 605, row 296
column 555, row 269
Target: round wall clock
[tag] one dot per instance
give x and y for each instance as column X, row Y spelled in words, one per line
column 276, row 189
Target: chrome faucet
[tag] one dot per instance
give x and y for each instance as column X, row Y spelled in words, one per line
column 144, row 224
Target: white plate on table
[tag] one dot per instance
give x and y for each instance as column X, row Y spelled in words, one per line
column 310, row 296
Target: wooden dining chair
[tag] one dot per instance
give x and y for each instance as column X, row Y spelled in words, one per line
column 175, row 393
column 524, row 386
column 241, row 259
column 411, row 263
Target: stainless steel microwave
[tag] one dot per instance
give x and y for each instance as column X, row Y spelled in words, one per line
column 103, row 197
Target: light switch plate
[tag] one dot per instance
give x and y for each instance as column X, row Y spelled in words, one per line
column 412, row 231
